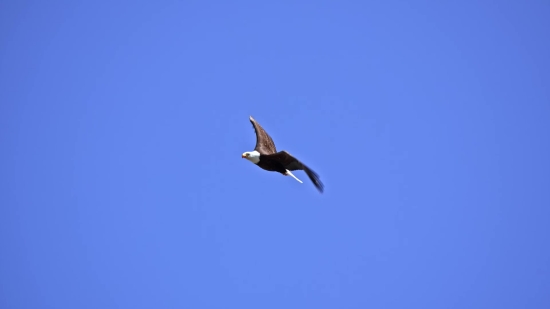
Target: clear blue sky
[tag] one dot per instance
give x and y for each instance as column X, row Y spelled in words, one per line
column 123, row 124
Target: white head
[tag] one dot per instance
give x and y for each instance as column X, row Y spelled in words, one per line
column 252, row 156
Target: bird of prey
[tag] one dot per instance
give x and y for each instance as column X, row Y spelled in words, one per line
column 265, row 155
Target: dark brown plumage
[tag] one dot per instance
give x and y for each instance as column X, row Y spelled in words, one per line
column 264, row 143
column 271, row 160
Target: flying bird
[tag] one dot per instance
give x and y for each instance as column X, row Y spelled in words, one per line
column 265, row 155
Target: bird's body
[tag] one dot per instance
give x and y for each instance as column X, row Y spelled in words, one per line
column 265, row 156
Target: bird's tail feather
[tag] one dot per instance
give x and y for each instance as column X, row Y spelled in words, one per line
column 290, row 174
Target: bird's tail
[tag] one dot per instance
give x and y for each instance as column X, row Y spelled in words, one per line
column 290, row 174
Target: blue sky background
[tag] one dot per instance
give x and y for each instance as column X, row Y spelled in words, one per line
column 123, row 124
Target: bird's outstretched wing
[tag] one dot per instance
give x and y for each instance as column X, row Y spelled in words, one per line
column 264, row 143
column 292, row 164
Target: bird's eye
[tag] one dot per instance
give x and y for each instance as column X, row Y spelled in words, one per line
column 247, row 154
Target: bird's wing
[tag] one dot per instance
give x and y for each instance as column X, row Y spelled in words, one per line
column 264, row 143
column 292, row 164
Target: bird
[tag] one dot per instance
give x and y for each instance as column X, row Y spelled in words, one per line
column 265, row 156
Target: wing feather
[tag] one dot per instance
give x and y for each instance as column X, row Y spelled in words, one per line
column 291, row 163
column 264, row 143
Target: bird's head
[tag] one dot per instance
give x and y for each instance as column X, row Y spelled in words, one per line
column 252, row 156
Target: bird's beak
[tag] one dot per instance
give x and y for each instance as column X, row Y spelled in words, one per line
column 243, row 156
